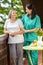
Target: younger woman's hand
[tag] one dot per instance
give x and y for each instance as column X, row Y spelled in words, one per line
column 25, row 31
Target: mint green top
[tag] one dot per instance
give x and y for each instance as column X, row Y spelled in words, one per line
column 30, row 24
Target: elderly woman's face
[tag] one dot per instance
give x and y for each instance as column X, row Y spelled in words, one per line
column 13, row 14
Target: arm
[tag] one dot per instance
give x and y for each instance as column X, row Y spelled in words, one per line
column 32, row 30
column 21, row 28
column 5, row 27
column 37, row 25
column 15, row 33
column 5, row 31
column 19, row 32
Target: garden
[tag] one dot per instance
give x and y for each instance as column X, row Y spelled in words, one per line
column 19, row 6
column 6, row 6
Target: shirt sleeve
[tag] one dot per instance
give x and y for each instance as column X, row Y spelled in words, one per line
column 20, row 23
column 5, row 25
column 23, row 18
column 38, row 22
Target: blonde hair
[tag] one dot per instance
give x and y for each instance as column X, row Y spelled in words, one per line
column 10, row 12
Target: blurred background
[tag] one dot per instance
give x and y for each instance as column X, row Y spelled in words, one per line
column 19, row 5
column 5, row 7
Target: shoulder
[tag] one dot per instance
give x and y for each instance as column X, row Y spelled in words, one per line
column 25, row 15
column 7, row 20
column 37, row 16
column 19, row 21
column 6, row 23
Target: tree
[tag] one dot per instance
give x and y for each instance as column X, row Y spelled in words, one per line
column 6, row 6
column 25, row 2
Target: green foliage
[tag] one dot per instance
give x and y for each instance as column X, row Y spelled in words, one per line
column 1, row 32
column 14, row 4
column 40, row 32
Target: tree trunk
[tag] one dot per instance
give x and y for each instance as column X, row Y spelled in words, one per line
column 25, row 2
column 12, row 3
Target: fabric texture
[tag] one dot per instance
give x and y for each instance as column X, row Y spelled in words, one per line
column 16, row 53
column 29, row 37
column 14, row 27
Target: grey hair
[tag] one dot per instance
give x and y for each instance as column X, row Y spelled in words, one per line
column 10, row 12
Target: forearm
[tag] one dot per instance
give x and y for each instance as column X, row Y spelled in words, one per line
column 20, row 32
column 32, row 30
column 6, row 32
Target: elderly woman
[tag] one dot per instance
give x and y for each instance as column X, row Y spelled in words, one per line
column 14, row 28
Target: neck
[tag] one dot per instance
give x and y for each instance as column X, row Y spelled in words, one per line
column 30, row 16
column 13, row 20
